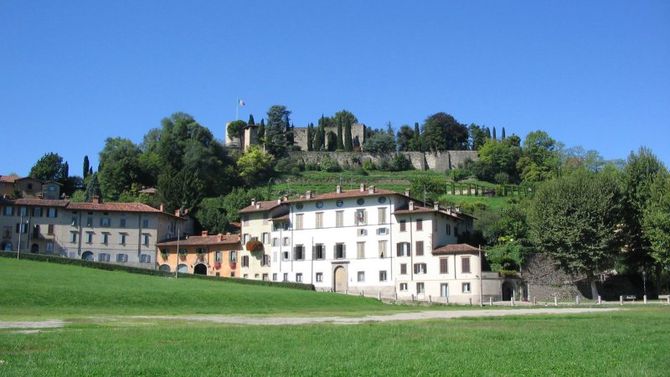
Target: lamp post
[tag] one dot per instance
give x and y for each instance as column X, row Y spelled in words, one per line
column 22, row 226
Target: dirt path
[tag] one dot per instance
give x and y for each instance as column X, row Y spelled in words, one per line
column 279, row 321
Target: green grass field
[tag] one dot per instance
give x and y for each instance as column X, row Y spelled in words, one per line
column 630, row 342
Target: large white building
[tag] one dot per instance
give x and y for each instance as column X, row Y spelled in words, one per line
column 369, row 241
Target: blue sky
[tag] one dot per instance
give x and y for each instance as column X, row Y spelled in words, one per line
column 72, row 73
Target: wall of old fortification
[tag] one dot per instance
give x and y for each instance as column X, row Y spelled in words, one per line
column 440, row 161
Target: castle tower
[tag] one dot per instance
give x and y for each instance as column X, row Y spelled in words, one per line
column 250, row 136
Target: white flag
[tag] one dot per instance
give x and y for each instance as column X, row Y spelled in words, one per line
column 242, row 103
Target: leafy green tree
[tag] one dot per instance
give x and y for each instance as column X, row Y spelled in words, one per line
column 212, row 216
column 442, row 132
column 86, row 167
column 380, row 142
column 477, row 136
column 276, row 139
column 344, row 120
column 404, row 138
column 540, row 159
column 119, row 167
column 50, row 167
column 332, row 141
column 497, row 157
column 575, row 220
column 255, row 166
column 656, row 219
column 236, row 129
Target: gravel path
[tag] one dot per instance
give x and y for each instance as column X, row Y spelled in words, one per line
column 278, row 321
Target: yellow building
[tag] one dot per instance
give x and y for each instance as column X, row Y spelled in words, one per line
column 211, row 255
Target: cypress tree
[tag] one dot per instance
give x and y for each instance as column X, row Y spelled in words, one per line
column 503, row 133
column 348, row 146
column 87, row 167
column 494, row 134
column 261, row 132
column 340, row 138
column 92, row 188
column 251, row 121
column 488, row 133
column 310, row 136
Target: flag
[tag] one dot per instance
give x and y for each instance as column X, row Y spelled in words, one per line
column 242, row 103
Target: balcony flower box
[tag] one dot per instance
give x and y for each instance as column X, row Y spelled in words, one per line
column 254, row 245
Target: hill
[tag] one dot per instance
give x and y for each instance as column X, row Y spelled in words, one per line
column 45, row 289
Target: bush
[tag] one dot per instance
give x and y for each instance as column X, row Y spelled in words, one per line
column 330, row 165
column 369, row 165
column 400, row 163
column 254, row 245
column 458, row 174
column 501, row 178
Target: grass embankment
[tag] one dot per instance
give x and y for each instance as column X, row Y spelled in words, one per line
column 39, row 289
column 626, row 343
column 323, row 182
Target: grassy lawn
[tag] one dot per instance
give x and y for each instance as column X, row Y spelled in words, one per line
column 39, row 290
column 632, row 342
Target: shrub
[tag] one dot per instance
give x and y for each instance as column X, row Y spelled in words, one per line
column 330, row 165
column 400, row 163
column 369, row 165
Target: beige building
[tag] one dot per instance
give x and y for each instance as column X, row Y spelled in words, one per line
column 258, row 220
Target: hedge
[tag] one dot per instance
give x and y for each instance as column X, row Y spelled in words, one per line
column 144, row 271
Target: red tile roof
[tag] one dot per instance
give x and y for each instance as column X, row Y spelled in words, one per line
column 209, row 240
column 346, row 194
column 41, row 202
column 8, row 178
column 455, row 248
column 113, row 207
column 261, row 206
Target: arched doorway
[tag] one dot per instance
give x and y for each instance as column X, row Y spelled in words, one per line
column 7, row 246
column 34, row 248
column 340, row 283
column 507, row 291
column 88, row 256
column 164, row 268
column 182, row 269
column 200, row 269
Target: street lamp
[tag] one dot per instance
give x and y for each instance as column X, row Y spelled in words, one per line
column 22, row 226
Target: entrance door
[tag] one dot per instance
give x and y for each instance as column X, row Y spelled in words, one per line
column 507, row 291
column 182, row 269
column 200, row 269
column 444, row 290
column 35, row 248
column 340, row 279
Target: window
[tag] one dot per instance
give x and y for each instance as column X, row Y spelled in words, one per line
column 232, row 274
column 265, row 237
column 339, row 219
column 298, row 277
column 73, row 237
column 255, row 276
column 217, row 256
column 145, row 223
column 339, row 203
column 465, row 265
column 381, row 215
column 23, row 211
column 122, row 223
column 274, row 276
column 298, row 221
column 381, row 246
column 245, row 261
column 382, row 231
column 287, row 241
column 466, row 287
column 265, row 261
column 245, row 220
column 360, row 201
column 21, row 228
column 265, row 218
column 122, row 239
column 318, row 220
column 420, row 288
column 419, row 225
column 89, row 237
column 105, row 221
column 265, row 277
column 285, row 276
column 50, row 246
column 8, row 211
column 444, row 266
column 104, row 257
column 319, row 204
column 362, row 232
column 74, row 221
column 232, row 257
column 245, row 276
column 145, row 258
column 50, row 229
column 448, row 230
column 275, row 241
column 361, row 276
column 105, row 238
column 285, row 255
column 319, row 251
column 360, row 250
column 418, row 250
column 89, row 221
column 52, row 212
column 299, row 252
column 382, row 275
column 319, row 277
column 145, row 239
column 246, row 238
column 37, row 211
column 122, row 258
column 403, row 225
column 361, row 217
column 403, row 287
column 340, row 251
column 403, row 249
column 419, row 268
column 403, row 269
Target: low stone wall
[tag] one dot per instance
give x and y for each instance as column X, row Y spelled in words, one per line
column 544, row 280
column 435, row 161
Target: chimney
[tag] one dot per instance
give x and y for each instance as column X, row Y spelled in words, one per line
column 338, row 189
column 407, row 192
column 177, row 213
column 162, row 207
column 279, row 201
column 220, row 237
column 308, row 194
column 205, row 233
column 411, row 205
column 253, row 201
column 372, row 189
column 436, row 206
column 95, row 199
column 362, row 187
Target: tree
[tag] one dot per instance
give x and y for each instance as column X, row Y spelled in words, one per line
column 380, row 142
column 87, row 166
column 261, row 132
column 310, row 137
column 255, row 166
column 477, row 136
column 540, row 159
column 497, row 157
column 319, row 143
column 332, row 141
column 345, row 119
column 276, row 132
column 92, row 188
column 119, row 167
column 236, row 129
column 656, row 219
column 503, row 134
column 494, row 134
column 442, row 132
column 340, row 137
column 574, row 219
column 251, row 120
column 50, row 167
column 416, row 144
column 405, row 138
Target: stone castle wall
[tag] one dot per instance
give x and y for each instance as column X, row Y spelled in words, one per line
column 436, row 161
column 300, row 134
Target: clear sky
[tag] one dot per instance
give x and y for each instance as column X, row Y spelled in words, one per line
column 72, row 73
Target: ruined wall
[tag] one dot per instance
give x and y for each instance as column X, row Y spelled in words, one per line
column 545, row 280
column 440, row 161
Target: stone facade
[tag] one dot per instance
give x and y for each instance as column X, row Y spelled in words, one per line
column 436, row 161
column 544, row 280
